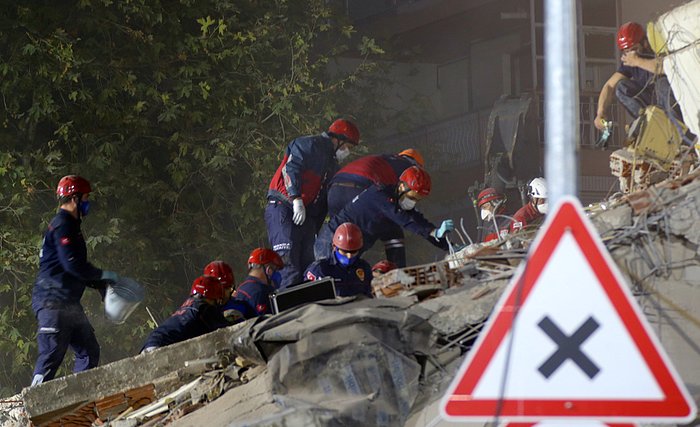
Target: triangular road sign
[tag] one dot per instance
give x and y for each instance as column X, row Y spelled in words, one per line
column 567, row 339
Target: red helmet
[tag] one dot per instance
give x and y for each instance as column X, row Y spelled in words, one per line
column 72, row 184
column 345, row 130
column 629, row 35
column 221, row 271
column 415, row 155
column 207, row 286
column 487, row 195
column 264, row 256
column 348, row 237
column 417, row 180
column 384, row 266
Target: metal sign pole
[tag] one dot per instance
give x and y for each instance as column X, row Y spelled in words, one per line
column 561, row 134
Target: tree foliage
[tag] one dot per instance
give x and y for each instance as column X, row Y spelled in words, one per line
column 177, row 112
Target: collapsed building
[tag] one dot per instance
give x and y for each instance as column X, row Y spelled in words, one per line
column 382, row 361
column 388, row 360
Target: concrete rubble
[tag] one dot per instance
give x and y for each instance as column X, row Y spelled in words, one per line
column 383, row 361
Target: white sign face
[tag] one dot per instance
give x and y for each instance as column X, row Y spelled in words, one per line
column 564, row 335
column 567, row 339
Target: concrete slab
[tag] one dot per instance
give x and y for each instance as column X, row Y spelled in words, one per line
column 77, row 389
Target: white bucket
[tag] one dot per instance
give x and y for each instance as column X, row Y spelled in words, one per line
column 122, row 298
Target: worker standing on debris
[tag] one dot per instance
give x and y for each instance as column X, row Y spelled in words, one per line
column 351, row 274
column 638, row 80
column 297, row 194
column 224, row 273
column 252, row 297
column 535, row 209
column 382, row 267
column 492, row 205
column 381, row 170
column 376, row 206
column 198, row 315
column 64, row 272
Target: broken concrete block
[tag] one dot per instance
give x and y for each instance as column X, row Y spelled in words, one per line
column 77, row 389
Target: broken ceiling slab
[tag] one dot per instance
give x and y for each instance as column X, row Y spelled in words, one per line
column 84, row 387
column 463, row 306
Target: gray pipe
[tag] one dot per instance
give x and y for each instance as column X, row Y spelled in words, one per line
column 561, row 135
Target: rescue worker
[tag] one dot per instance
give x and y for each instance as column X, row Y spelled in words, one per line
column 535, row 209
column 224, row 273
column 381, row 170
column 382, row 267
column 351, row 274
column 492, row 205
column 198, row 315
column 64, row 272
column 638, row 80
column 297, row 194
column 252, row 296
column 376, row 207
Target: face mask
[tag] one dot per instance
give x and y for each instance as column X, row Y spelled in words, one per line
column 542, row 208
column 406, row 203
column 342, row 153
column 485, row 215
column 275, row 278
column 84, row 207
column 343, row 260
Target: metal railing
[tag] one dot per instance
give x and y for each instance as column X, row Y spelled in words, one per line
column 588, row 134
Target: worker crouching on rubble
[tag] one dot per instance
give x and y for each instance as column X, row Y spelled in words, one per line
column 296, row 197
column 64, row 272
column 351, row 274
column 198, row 315
column 382, row 170
column 534, row 211
column 377, row 207
column 252, row 297
column 492, row 205
column 382, row 267
column 639, row 81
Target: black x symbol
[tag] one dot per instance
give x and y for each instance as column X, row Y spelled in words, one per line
column 569, row 347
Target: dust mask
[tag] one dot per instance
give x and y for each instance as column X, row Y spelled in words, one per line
column 406, row 203
column 342, row 153
column 542, row 208
column 485, row 215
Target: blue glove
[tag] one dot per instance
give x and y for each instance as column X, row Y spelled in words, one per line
column 109, row 276
column 447, row 225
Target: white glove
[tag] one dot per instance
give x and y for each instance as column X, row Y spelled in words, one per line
column 299, row 211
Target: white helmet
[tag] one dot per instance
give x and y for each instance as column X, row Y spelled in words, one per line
column 538, row 188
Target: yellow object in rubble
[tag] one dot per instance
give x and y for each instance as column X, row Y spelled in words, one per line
column 657, row 138
column 657, row 41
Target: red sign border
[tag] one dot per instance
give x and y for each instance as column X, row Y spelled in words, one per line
column 568, row 217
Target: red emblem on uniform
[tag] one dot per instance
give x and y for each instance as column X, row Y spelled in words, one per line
column 261, row 308
column 65, row 241
column 360, row 274
column 310, row 276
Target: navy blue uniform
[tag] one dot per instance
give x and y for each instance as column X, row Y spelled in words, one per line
column 642, row 88
column 195, row 317
column 349, row 280
column 64, row 272
column 251, row 299
column 308, row 164
column 371, row 211
column 383, row 170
